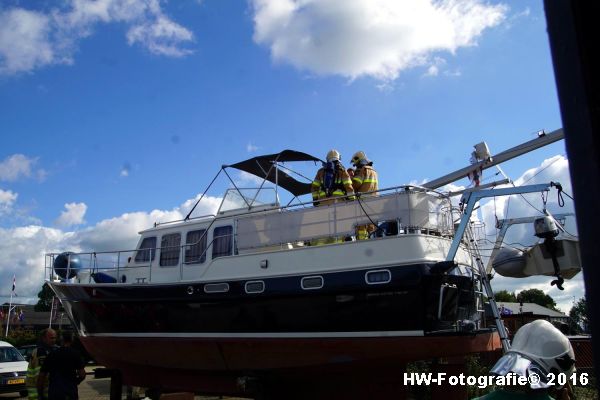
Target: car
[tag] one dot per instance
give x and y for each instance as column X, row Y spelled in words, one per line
column 13, row 370
column 27, row 350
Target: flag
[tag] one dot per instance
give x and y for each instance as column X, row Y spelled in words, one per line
column 14, row 282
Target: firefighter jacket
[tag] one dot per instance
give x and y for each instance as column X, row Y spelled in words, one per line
column 342, row 187
column 33, row 370
column 365, row 180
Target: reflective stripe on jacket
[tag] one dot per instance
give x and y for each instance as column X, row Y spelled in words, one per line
column 38, row 356
column 365, row 180
column 319, row 195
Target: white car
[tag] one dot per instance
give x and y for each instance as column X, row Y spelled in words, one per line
column 13, row 370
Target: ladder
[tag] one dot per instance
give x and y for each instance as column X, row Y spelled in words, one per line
column 484, row 289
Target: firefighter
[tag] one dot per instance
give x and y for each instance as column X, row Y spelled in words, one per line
column 364, row 180
column 46, row 346
column 540, row 353
column 332, row 182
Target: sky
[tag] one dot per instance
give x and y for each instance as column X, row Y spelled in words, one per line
column 115, row 114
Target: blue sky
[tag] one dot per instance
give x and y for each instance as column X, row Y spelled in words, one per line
column 116, row 111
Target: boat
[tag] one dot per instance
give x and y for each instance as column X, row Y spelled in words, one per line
column 264, row 292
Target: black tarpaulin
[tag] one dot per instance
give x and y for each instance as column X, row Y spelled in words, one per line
column 262, row 166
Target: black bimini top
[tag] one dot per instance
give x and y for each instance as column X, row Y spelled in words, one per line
column 263, row 167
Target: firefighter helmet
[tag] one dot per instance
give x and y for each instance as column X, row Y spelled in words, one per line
column 333, row 155
column 359, row 158
column 538, row 348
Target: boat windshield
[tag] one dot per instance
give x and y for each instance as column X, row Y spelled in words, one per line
column 236, row 199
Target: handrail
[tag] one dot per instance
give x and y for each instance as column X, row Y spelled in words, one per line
column 116, row 255
column 157, row 224
column 406, row 189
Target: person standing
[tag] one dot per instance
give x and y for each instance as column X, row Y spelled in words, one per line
column 332, row 182
column 65, row 369
column 46, row 345
column 364, row 180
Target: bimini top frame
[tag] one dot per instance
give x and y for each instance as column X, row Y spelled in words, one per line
column 269, row 168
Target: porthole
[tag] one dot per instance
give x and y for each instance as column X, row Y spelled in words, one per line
column 255, row 287
column 312, row 282
column 378, row 277
column 216, row 288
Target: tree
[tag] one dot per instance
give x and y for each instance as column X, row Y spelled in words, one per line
column 579, row 314
column 505, row 296
column 538, row 297
column 46, row 295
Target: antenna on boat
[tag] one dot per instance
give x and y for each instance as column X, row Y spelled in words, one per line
column 542, row 140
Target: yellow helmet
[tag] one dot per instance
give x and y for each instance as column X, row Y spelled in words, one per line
column 333, row 155
column 358, row 157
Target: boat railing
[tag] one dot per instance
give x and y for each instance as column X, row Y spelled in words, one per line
column 281, row 228
column 408, row 209
column 200, row 217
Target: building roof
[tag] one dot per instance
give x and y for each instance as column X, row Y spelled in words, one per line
column 535, row 309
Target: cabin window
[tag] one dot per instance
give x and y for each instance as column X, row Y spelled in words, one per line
column 169, row 249
column 216, row 288
column 255, row 287
column 312, row 282
column 378, row 277
column 195, row 251
column 147, row 250
column 222, row 241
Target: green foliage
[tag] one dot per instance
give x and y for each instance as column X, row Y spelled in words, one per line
column 46, row 295
column 505, row 296
column 579, row 314
column 538, row 297
column 419, row 391
column 475, row 367
column 20, row 337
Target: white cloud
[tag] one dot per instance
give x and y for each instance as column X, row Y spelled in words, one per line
column 377, row 38
column 250, row 148
column 22, row 249
column 30, row 39
column 433, row 70
column 161, row 37
column 436, row 65
column 73, row 215
column 7, row 199
column 17, row 166
column 246, row 178
column 24, row 41
column 22, row 254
